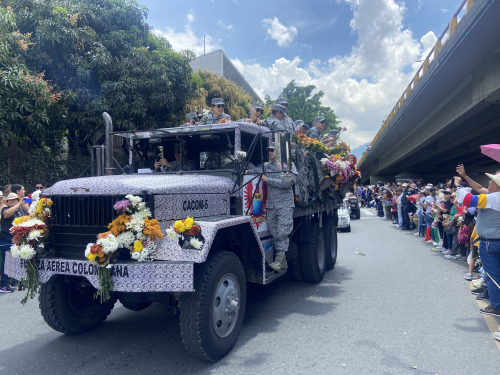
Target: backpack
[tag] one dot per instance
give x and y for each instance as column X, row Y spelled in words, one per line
column 463, row 234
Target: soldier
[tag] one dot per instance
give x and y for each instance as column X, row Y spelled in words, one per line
column 317, row 129
column 190, row 119
column 217, row 113
column 255, row 112
column 279, row 205
column 275, row 121
column 164, row 165
column 300, row 127
column 288, row 123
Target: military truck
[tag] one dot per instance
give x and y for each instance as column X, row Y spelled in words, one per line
column 207, row 286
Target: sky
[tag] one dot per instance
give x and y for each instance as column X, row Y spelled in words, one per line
column 361, row 53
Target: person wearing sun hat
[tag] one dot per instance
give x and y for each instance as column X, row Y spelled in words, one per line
column 488, row 230
column 217, row 114
column 12, row 211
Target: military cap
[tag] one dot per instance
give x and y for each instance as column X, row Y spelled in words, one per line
column 299, row 123
column 279, row 107
column 216, row 101
column 257, row 105
column 319, row 119
column 190, row 115
column 281, row 100
column 272, row 145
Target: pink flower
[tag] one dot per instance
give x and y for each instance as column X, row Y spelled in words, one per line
column 345, row 129
column 121, row 205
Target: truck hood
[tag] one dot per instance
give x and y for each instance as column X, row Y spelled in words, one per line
column 138, row 184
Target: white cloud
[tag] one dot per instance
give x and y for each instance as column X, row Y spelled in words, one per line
column 280, row 33
column 225, row 26
column 363, row 86
column 188, row 39
column 444, row 10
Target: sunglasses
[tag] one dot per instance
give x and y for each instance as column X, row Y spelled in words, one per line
column 274, row 112
column 38, row 187
column 271, row 149
column 177, row 152
column 219, row 106
column 259, row 110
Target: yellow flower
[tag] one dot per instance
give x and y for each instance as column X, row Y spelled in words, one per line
column 179, row 226
column 188, row 223
column 138, row 246
column 91, row 257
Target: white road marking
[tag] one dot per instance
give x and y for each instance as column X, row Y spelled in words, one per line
column 368, row 211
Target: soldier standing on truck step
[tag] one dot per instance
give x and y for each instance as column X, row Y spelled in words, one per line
column 288, row 123
column 275, row 121
column 256, row 111
column 217, row 113
column 279, row 205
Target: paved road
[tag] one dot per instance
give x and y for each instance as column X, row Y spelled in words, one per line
column 400, row 306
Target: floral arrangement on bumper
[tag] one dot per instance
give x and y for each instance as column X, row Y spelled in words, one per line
column 187, row 232
column 336, row 167
column 31, row 233
column 132, row 230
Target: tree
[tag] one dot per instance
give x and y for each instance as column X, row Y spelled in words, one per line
column 304, row 105
column 211, row 86
column 102, row 56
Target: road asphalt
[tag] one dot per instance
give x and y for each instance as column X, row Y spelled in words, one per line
column 400, row 309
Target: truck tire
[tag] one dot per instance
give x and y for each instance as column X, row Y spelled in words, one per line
column 294, row 271
column 348, row 228
column 312, row 255
column 136, row 306
column 212, row 315
column 70, row 307
column 331, row 244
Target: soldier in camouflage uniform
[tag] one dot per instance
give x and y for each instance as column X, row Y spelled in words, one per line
column 191, row 118
column 288, row 123
column 217, row 113
column 163, row 165
column 317, row 129
column 279, row 206
column 275, row 121
column 256, row 111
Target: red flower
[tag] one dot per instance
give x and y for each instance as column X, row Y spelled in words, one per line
column 95, row 249
column 195, row 229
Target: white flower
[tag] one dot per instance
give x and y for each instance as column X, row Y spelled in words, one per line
column 136, row 255
column 34, row 234
column 109, row 266
column 324, row 160
column 196, row 243
column 109, row 244
column 126, row 239
column 14, row 251
column 27, row 252
column 87, row 250
column 141, row 236
column 242, row 155
column 32, row 223
column 172, row 234
column 47, row 210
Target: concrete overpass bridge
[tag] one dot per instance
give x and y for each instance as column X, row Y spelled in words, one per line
column 450, row 108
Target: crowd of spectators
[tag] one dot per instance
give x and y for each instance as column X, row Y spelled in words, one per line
column 459, row 217
column 13, row 204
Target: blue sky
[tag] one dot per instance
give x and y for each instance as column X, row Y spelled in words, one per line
column 361, row 53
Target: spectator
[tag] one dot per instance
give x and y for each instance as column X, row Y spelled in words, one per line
column 8, row 214
column 387, row 202
column 39, row 186
column 406, row 207
column 5, row 193
column 20, row 192
column 400, row 205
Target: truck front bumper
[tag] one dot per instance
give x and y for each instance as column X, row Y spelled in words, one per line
column 158, row 276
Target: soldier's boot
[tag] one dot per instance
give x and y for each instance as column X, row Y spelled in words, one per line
column 279, row 263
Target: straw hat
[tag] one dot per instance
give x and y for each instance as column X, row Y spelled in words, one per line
column 495, row 178
column 11, row 196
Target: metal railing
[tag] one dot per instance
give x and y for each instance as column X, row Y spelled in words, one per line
column 463, row 9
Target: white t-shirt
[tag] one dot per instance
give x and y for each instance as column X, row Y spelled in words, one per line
column 428, row 201
column 399, row 201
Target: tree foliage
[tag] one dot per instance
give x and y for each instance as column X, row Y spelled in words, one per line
column 304, row 105
column 102, row 56
column 211, row 86
column 27, row 100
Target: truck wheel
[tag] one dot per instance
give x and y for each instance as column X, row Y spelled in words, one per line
column 330, row 244
column 347, row 229
column 358, row 213
column 136, row 306
column 312, row 255
column 71, row 308
column 211, row 316
column 294, row 271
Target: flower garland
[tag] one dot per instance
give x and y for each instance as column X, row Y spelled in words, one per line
column 132, row 230
column 29, row 233
column 183, row 228
column 336, row 167
column 310, row 144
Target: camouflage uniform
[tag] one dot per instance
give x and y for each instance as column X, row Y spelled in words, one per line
column 288, row 124
column 314, row 133
column 279, row 204
column 189, row 165
column 210, row 119
column 273, row 123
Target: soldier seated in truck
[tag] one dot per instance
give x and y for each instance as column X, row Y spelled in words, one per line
column 164, row 165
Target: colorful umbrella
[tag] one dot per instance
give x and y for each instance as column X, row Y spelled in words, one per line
column 493, row 151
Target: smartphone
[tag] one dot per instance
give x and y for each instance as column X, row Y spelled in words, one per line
column 160, row 153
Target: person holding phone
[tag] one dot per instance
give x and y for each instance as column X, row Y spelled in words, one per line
column 256, row 111
column 175, row 166
column 21, row 193
column 10, row 212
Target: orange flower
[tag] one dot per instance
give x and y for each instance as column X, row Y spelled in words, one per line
column 152, row 229
column 118, row 225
